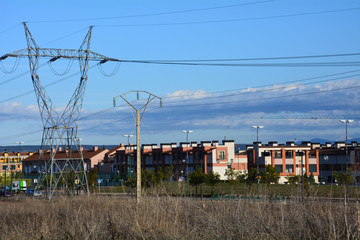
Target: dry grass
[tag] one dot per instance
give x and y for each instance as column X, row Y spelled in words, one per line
column 173, row 218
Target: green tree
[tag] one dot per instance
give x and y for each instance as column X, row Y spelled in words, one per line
column 212, row 179
column 311, row 179
column 251, row 177
column 293, row 180
column 231, row 176
column 270, row 175
column 92, row 179
column 165, row 174
column 148, row 178
column 130, row 183
column 196, row 178
column 345, row 179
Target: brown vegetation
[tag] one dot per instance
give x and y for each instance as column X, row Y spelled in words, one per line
column 173, row 218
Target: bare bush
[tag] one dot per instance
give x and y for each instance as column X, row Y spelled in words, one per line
column 174, row 218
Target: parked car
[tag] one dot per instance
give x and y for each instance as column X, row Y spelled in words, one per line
column 2, row 193
column 33, row 192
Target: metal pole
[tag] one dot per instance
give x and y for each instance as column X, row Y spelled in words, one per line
column 138, row 157
column 302, row 178
column 5, row 183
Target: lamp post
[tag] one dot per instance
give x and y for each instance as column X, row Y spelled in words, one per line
column 99, row 168
column 257, row 159
column 257, row 131
column 346, row 122
column 128, row 137
column 301, row 153
column 187, row 146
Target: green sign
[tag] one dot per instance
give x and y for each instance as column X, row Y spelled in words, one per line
column 12, row 167
column 4, row 167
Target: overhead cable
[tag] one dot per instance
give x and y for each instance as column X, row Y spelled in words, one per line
column 230, row 20
column 154, row 14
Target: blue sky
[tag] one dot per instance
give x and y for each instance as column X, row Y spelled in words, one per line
column 216, row 102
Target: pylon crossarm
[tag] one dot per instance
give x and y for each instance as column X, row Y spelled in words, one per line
column 55, row 54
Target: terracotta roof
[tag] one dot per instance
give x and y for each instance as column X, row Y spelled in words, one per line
column 87, row 154
column 113, row 150
column 13, row 154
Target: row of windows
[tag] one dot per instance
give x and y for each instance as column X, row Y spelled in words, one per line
column 290, row 168
column 290, row 154
column 175, row 156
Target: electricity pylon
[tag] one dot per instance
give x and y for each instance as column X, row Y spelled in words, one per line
column 139, row 110
column 60, row 129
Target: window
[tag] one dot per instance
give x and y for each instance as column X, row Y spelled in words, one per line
column 289, row 154
column 312, row 168
column 168, row 159
column 278, row 154
column 279, row 168
column 148, row 160
column 300, row 153
column 222, row 155
column 289, row 168
column 312, row 154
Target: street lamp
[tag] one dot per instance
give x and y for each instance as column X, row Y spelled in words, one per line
column 257, row 159
column 187, row 152
column 257, row 132
column 128, row 137
column 99, row 168
column 346, row 150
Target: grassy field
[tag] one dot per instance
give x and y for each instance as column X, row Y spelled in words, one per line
column 180, row 189
column 156, row 217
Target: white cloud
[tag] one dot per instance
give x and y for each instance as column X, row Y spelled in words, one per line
column 187, row 94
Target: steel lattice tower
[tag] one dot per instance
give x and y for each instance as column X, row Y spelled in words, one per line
column 60, row 129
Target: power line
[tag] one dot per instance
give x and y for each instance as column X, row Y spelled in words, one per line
column 258, row 59
column 153, row 14
column 230, row 20
column 10, row 28
column 265, row 90
column 267, row 98
column 202, row 104
column 268, row 85
column 311, row 64
column 47, row 85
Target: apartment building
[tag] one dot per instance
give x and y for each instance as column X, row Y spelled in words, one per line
column 32, row 165
column 185, row 158
column 12, row 161
column 339, row 157
column 289, row 159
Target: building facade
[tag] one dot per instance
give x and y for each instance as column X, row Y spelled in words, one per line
column 185, row 158
column 32, row 165
column 12, row 162
column 289, row 159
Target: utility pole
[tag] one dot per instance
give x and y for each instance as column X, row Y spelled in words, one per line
column 139, row 107
column 346, row 122
column 19, row 145
column 187, row 150
column 59, row 129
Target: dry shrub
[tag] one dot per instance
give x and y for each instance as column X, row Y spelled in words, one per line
column 174, row 218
